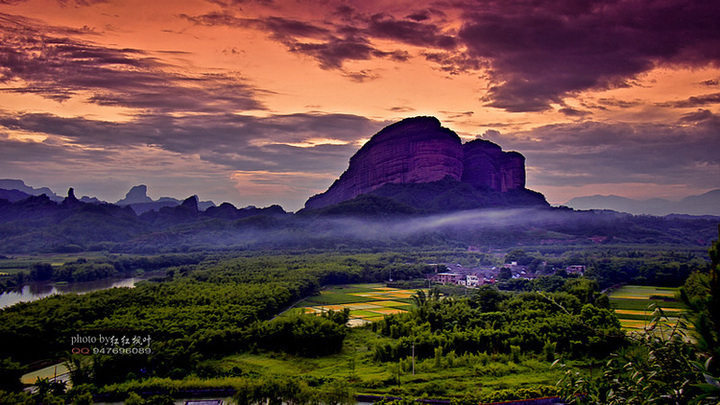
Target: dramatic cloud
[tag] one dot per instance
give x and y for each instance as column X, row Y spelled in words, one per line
column 75, row 3
column 609, row 102
column 695, row 101
column 44, row 60
column 333, row 44
column 257, row 156
column 574, row 112
column 535, row 53
column 333, row 53
column 699, row 116
column 237, row 142
column 540, row 52
column 274, row 96
column 81, row 3
column 454, row 63
column 601, row 153
column 409, row 32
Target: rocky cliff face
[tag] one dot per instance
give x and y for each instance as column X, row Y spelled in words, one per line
column 416, row 150
column 419, row 150
column 487, row 166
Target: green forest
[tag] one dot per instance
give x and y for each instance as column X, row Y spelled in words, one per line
column 214, row 323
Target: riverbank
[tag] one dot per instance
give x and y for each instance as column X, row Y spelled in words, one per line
column 38, row 290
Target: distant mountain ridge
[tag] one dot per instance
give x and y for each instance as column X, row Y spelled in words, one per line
column 37, row 224
column 139, row 201
column 704, row 204
column 19, row 185
column 13, row 195
column 15, row 190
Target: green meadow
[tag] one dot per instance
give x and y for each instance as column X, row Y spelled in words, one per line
column 453, row 376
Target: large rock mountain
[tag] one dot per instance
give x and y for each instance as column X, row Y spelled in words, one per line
column 419, row 151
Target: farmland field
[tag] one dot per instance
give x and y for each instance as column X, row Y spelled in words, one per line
column 367, row 302
column 634, row 305
column 23, row 263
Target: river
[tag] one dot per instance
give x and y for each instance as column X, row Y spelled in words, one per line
column 36, row 291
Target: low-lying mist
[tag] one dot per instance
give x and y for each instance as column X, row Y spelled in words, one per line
column 483, row 227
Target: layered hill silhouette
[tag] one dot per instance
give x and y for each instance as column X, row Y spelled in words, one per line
column 40, row 224
column 419, row 163
column 704, row 204
column 139, row 201
column 15, row 190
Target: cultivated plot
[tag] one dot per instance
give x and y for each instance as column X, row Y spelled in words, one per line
column 367, row 302
column 635, row 305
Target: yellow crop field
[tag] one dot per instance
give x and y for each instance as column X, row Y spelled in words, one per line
column 366, row 302
column 635, row 305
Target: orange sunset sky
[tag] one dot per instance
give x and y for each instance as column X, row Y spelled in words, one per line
column 262, row 102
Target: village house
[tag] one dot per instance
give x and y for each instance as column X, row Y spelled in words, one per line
column 576, row 269
column 468, row 277
column 446, row 278
column 472, row 281
column 468, row 280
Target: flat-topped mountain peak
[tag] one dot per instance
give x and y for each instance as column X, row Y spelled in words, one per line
column 420, row 150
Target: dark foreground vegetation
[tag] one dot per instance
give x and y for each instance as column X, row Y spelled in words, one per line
column 666, row 365
column 210, row 323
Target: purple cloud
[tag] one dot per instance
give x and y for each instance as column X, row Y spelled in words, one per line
column 573, row 112
column 58, row 67
column 540, row 52
column 409, row 32
column 236, row 141
column 64, row 3
column 352, row 37
column 700, row 116
column 682, row 153
column 333, row 53
column 695, row 101
column 535, row 53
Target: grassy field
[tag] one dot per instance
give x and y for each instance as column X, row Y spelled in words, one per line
column 367, row 302
column 483, row 373
column 454, row 376
column 635, row 304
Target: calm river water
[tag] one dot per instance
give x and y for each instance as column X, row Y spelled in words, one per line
column 35, row 291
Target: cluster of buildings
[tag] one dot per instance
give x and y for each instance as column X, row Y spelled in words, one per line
column 468, row 280
column 477, row 277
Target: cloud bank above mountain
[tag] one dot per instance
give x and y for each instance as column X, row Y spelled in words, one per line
column 265, row 101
